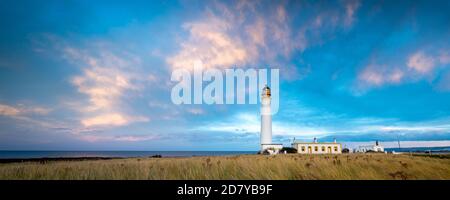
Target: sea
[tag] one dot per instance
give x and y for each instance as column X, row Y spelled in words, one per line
column 420, row 149
column 114, row 154
column 130, row 154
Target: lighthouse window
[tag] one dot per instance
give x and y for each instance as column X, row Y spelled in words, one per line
column 316, row 148
column 335, row 149
column 323, row 148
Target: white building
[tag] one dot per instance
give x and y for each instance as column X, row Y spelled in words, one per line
column 317, row 147
column 266, row 124
column 368, row 148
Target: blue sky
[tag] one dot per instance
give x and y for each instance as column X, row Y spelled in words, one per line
column 95, row 75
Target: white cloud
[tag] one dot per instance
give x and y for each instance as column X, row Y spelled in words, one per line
column 404, row 144
column 107, row 78
column 114, row 119
column 210, row 43
column 421, row 62
column 444, row 57
column 250, row 123
column 104, row 86
column 8, row 110
column 248, row 33
column 302, row 129
column 120, row 138
column 32, row 117
column 257, row 32
column 409, row 128
column 418, row 66
column 350, row 9
column 240, row 34
column 21, row 110
column 378, row 75
column 196, row 111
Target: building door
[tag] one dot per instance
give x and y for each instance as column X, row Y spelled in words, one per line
column 309, row 149
column 329, row 150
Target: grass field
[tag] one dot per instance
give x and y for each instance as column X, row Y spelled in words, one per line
column 304, row 167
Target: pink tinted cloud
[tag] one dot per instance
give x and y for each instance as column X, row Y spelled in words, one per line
column 22, row 110
column 377, row 75
column 421, row 63
column 444, row 57
column 418, row 66
column 351, row 7
column 123, row 138
column 107, row 78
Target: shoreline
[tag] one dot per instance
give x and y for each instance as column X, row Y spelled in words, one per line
column 44, row 160
column 92, row 155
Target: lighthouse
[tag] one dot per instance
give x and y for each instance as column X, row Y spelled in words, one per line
column 266, row 118
column 266, row 123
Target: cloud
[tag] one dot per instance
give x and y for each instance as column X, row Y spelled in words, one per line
column 209, row 42
column 108, row 76
column 418, row 66
column 104, row 86
column 114, row 119
column 412, row 128
column 37, row 110
column 196, row 111
column 8, row 110
column 444, row 57
column 223, row 50
column 307, row 127
column 21, row 110
column 32, row 117
column 350, row 9
column 246, row 33
column 250, row 123
column 257, row 32
column 404, row 144
column 249, row 34
column 120, row 138
column 378, row 75
column 421, row 62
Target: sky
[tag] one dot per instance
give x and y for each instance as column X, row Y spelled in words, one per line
column 96, row 75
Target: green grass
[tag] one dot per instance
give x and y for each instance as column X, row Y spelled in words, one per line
column 304, row 167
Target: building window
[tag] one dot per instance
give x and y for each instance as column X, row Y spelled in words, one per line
column 316, row 148
column 303, row 148
column 335, row 149
column 323, row 148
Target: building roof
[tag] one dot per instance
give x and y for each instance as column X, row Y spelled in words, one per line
column 316, row 143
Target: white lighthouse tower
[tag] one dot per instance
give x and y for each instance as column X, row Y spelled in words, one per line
column 266, row 123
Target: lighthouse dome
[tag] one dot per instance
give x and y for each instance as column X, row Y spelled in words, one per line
column 266, row 91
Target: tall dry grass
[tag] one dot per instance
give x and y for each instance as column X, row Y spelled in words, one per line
column 303, row 167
